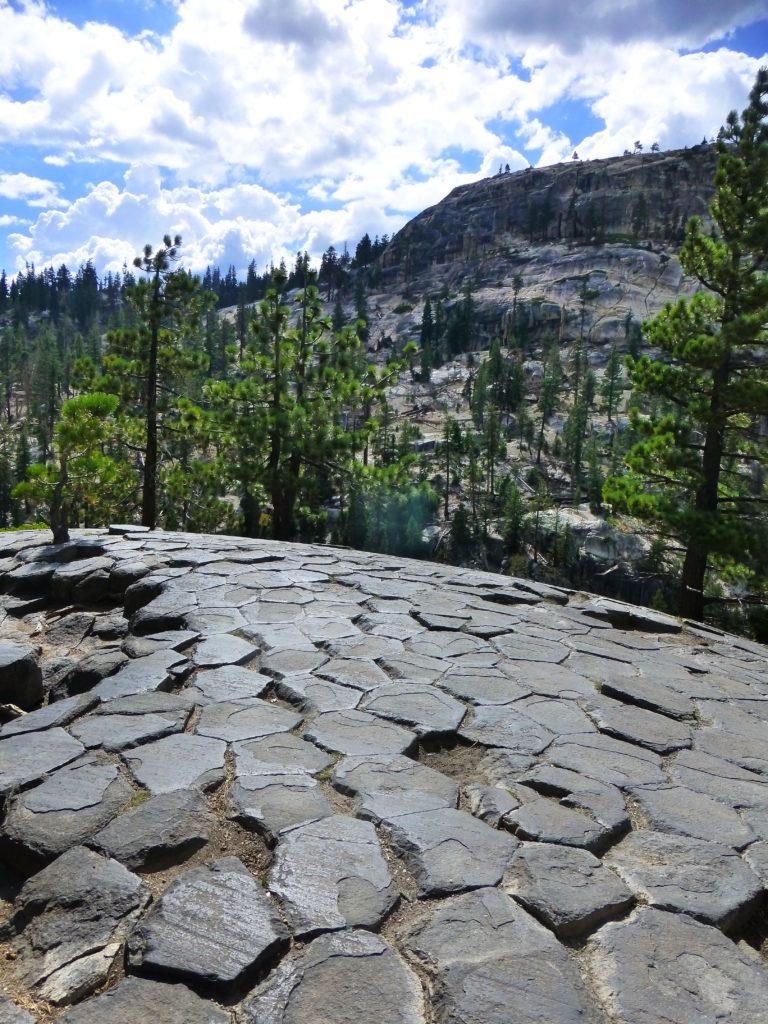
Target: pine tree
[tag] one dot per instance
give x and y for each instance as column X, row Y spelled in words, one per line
column 690, row 472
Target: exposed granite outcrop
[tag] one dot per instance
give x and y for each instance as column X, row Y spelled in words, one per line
column 327, row 784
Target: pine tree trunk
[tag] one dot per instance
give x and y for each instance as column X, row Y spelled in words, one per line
column 690, row 603
column 149, row 489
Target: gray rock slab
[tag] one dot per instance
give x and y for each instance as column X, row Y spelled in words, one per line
column 141, row 675
column 331, row 874
column 707, row 880
column 63, row 811
column 352, row 975
column 423, row 708
column 357, row 673
column 153, row 703
column 320, row 695
column 506, row 726
column 449, row 851
column 141, row 1001
column 273, row 800
column 491, row 687
column 27, row 757
column 177, row 762
column 684, row 812
column 224, row 649
column 628, row 616
column 281, row 751
column 604, row 802
column 568, row 890
column 70, row 630
column 386, row 785
column 757, row 859
column 657, row 967
column 171, row 639
column 228, row 683
column 214, row 924
column 60, row 713
column 548, row 821
column 750, row 752
column 490, row 962
column 88, row 672
column 549, row 680
column 524, row 647
column 119, row 732
column 71, row 919
column 163, row 827
column 723, row 780
column 607, row 760
column 249, row 720
column 280, row 663
column 638, row 725
column 489, row 803
column 357, row 732
column 651, row 694
column 21, row 679
column 169, row 609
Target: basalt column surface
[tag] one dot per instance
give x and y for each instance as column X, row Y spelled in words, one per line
column 253, row 783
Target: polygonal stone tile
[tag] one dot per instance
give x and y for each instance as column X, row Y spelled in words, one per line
column 720, row 779
column 313, row 694
column 340, row 973
column 386, row 785
column 281, row 751
column 524, row 647
column 605, row 803
column 63, row 811
column 141, row 1001
column 505, row 726
column 548, row 821
column 356, row 732
column 354, row 672
column 607, row 760
column 224, row 649
column 70, row 920
column 245, row 721
column 684, row 812
column 489, row 803
column 423, row 708
column 709, row 881
column 492, row 963
column 651, row 694
column 62, row 712
column 230, row 683
column 331, row 874
column 569, row 890
column 161, row 827
column 178, row 762
column 491, row 687
column 118, row 732
column 280, row 663
column 26, row 757
column 214, row 924
column 141, row 675
column 636, row 725
column 272, row 800
column 448, row 851
column 657, row 966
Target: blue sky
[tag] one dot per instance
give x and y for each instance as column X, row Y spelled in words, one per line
column 258, row 128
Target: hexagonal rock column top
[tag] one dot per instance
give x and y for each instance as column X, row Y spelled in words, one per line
column 387, row 785
column 357, row 732
column 706, row 880
column 493, row 964
column 343, row 978
column 73, row 916
column 140, row 1001
column 569, row 890
column 448, row 851
column 178, row 762
column 25, row 758
column 214, row 924
column 331, row 874
column 657, row 966
column 63, row 811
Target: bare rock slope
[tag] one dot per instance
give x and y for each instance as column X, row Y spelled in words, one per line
column 282, row 784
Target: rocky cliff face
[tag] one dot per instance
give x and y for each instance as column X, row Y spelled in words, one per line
column 545, row 237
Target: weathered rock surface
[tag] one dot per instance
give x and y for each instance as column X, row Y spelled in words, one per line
column 214, row 924
column 352, row 976
column 667, row 967
column 332, row 874
column 550, row 809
